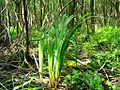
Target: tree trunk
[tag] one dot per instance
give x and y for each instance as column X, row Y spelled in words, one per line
column 92, row 7
column 34, row 9
column 7, row 22
column 26, row 28
column 72, row 11
column 61, row 6
column 41, row 13
column 82, row 8
column 117, row 14
column 87, row 38
column 104, row 13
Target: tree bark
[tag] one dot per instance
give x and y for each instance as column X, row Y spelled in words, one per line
column 41, row 13
column 82, row 8
column 26, row 27
column 118, row 14
column 7, row 22
column 72, row 6
column 92, row 7
column 104, row 13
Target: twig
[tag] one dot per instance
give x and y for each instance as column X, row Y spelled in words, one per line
column 3, row 10
column 103, row 69
column 3, row 86
column 35, row 60
column 65, row 6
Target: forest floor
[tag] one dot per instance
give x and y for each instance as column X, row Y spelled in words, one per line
column 12, row 74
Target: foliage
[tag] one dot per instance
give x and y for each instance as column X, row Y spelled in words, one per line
column 41, row 59
column 55, row 42
column 103, row 47
column 83, row 80
column 36, row 20
column 94, row 81
column 108, row 36
column 35, row 36
column 58, row 41
column 13, row 32
column 73, row 80
column 116, row 87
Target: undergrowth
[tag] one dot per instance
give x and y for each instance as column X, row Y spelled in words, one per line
column 103, row 52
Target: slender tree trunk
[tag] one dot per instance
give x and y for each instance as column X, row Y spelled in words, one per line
column 118, row 13
column 111, row 8
column 48, row 6
column 87, row 26
column 104, row 13
column 34, row 9
column 60, row 2
column 18, row 14
column 0, row 10
column 26, row 27
column 82, row 8
column 72, row 11
column 17, row 18
column 92, row 7
column 41, row 16
column 0, row 20
column 7, row 15
column 7, row 22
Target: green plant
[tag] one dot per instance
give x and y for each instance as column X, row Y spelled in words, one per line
column 88, row 80
column 55, row 42
column 73, row 81
column 103, row 47
column 116, row 87
column 13, row 32
column 35, row 35
column 41, row 52
column 93, row 81
column 58, row 41
column 40, row 36
column 106, row 37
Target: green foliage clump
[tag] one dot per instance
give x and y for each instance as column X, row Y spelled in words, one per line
column 36, row 35
column 88, row 80
column 104, row 50
column 13, row 32
column 104, row 47
column 108, row 36
column 58, row 39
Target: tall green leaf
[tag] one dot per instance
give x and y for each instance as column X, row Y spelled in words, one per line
column 69, row 35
